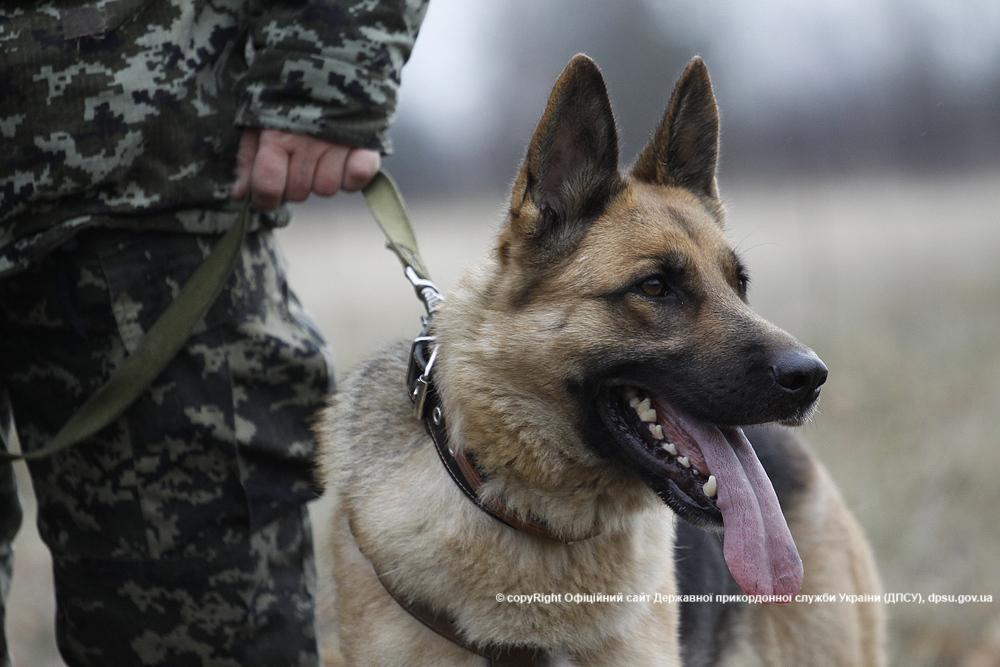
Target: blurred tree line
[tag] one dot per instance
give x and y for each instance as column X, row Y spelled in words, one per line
column 803, row 87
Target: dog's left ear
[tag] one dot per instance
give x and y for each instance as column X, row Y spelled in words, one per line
column 685, row 149
column 571, row 168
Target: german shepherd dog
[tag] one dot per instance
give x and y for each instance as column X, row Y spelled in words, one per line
column 603, row 371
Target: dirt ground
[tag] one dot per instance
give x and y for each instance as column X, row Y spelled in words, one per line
column 894, row 281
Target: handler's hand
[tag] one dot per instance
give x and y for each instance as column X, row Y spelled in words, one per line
column 278, row 166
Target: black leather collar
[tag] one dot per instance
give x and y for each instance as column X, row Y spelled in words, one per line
column 460, row 466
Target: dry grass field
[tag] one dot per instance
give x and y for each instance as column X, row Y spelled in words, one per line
column 894, row 281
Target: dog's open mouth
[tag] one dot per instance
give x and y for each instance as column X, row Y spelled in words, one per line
column 708, row 475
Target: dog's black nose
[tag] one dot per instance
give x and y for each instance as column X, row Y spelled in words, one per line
column 798, row 371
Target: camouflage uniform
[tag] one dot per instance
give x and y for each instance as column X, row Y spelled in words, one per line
column 179, row 534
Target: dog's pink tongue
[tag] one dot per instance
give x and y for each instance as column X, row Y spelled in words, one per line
column 759, row 549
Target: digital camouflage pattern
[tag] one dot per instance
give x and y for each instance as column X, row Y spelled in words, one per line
column 178, row 534
column 182, row 525
column 121, row 112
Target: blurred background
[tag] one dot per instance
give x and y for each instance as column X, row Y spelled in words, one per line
column 861, row 170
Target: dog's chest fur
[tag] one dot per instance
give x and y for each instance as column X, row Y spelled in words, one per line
column 435, row 546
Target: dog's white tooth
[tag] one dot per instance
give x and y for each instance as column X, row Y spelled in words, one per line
column 671, row 448
column 710, row 487
column 642, row 406
column 634, row 401
column 656, row 430
column 684, row 461
column 648, row 416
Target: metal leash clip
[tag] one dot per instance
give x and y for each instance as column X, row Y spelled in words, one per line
column 421, row 385
column 421, row 364
column 427, row 291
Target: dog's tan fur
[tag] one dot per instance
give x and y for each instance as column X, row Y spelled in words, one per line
column 519, row 329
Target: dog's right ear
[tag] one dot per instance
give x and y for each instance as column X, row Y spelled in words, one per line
column 571, row 167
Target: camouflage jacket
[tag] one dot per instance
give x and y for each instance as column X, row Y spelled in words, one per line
column 125, row 113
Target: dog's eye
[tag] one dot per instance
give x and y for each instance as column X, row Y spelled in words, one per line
column 654, row 286
column 744, row 282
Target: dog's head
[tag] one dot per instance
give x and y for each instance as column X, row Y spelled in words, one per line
column 613, row 323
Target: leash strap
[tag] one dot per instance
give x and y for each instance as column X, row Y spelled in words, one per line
column 173, row 328
column 160, row 344
column 387, row 207
column 389, row 211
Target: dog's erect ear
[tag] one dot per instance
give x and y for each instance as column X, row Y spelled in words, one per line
column 685, row 149
column 571, row 167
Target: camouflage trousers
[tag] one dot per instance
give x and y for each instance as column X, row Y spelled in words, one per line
column 179, row 534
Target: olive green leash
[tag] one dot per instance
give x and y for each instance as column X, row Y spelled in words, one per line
column 389, row 211
column 173, row 328
column 156, row 349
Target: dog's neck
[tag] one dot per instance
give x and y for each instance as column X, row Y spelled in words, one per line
column 529, row 453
